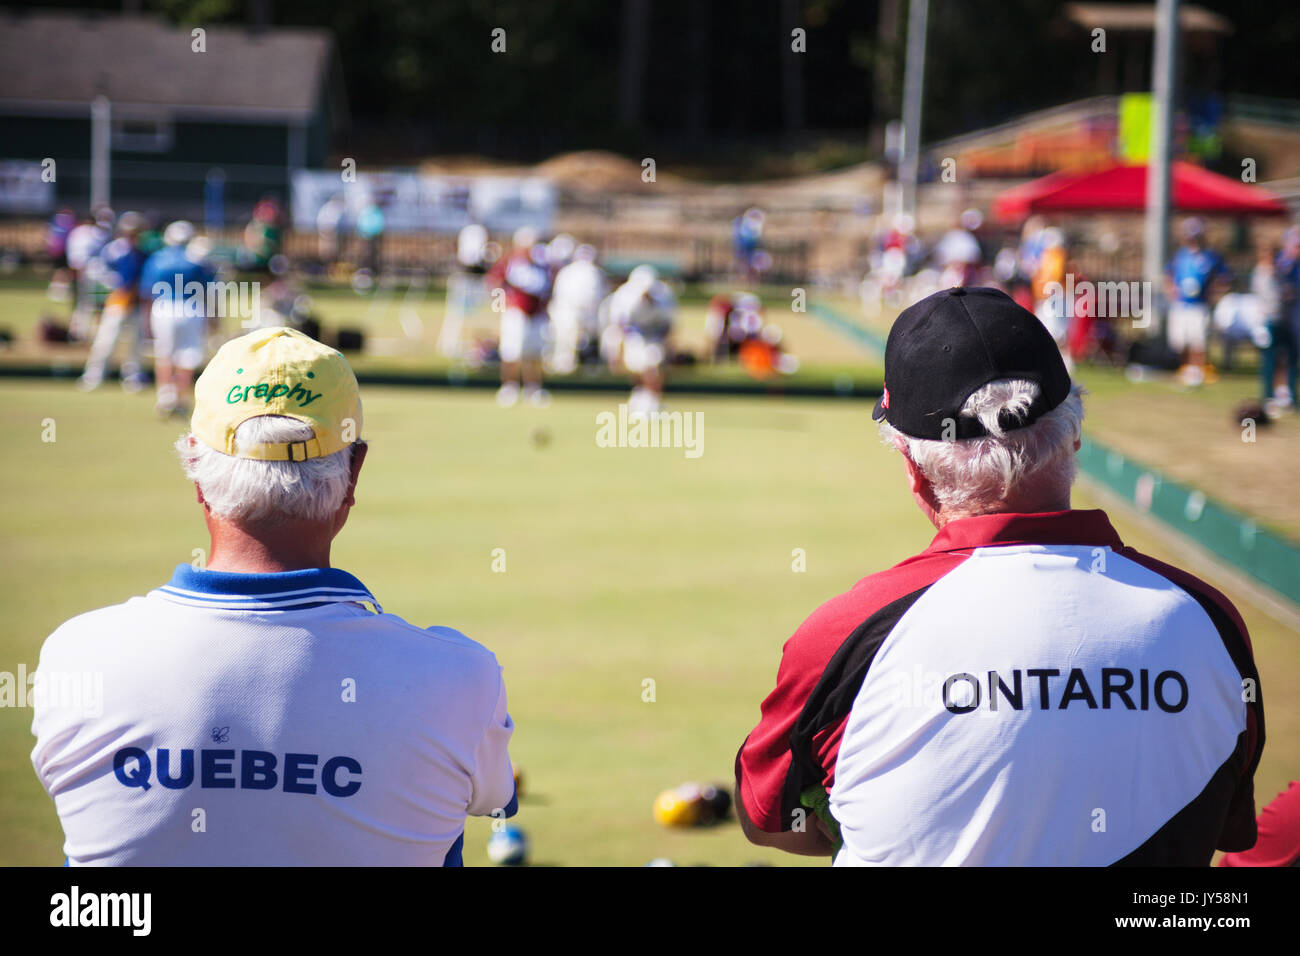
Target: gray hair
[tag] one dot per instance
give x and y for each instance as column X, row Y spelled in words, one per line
column 976, row 475
column 264, row 492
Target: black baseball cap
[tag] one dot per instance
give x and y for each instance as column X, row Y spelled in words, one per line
column 951, row 344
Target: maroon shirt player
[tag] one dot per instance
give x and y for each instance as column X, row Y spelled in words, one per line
column 526, row 281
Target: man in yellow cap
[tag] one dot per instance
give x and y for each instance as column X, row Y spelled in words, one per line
column 265, row 710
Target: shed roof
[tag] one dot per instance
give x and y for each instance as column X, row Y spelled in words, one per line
column 59, row 61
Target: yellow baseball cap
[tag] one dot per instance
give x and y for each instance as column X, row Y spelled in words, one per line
column 277, row 371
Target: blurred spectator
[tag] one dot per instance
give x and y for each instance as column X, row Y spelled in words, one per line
column 174, row 286
column 644, row 309
column 370, row 230
column 281, row 302
column 1242, row 317
column 1031, row 247
column 747, row 237
column 523, row 276
column 123, row 260
column 735, row 328
column 151, row 236
column 262, row 236
column 1192, row 276
column 900, row 250
column 331, row 229
column 574, row 309
column 1284, row 330
column 1048, row 284
column 730, row 320
column 559, row 252
column 465, row 287
column 1004, row 265
column 84, row 244
column 471, row 249
column 56, row 247
column 958, row 253
column 1082, row 322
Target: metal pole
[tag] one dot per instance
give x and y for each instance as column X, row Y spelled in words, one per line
column 913, row 87
column 100, row 152
column 1159, row 161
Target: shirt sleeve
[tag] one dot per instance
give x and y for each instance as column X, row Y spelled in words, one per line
column 493, row 779
column 769, row 778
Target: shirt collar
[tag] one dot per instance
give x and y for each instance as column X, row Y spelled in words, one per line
column 1050, row 527
column 279, row 591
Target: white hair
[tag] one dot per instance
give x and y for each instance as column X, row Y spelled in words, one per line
column 973, row 476
column 265, row 492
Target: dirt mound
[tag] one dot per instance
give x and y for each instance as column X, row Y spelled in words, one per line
column 599, row 171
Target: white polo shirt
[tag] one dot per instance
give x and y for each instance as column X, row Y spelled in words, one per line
column 269, row 719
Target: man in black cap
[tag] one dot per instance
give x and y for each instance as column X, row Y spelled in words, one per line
column 1025, row 691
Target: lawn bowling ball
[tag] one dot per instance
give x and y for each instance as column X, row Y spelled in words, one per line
column 717, row 801
column 519, row 783
column 540, row 437
column 680, row 807
column 508, row 847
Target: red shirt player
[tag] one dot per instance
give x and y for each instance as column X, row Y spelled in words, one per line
column 526, row 282
column 1278, row 843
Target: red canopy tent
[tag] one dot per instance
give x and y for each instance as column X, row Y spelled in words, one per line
column 1123, row 188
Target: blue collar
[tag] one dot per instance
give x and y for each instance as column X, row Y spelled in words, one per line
column 281, row 591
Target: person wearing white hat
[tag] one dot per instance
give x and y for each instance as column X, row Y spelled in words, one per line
column 958, row 251
column 174, row 287
column 644, row 309
column 579, row 287
column 84, row 243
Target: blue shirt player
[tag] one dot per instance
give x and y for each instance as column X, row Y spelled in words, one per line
column 178, row 283
column 1192, row 273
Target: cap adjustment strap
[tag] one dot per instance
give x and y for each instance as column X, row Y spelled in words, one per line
column 285, row 451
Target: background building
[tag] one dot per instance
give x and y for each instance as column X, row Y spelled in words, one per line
column 245, row 106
